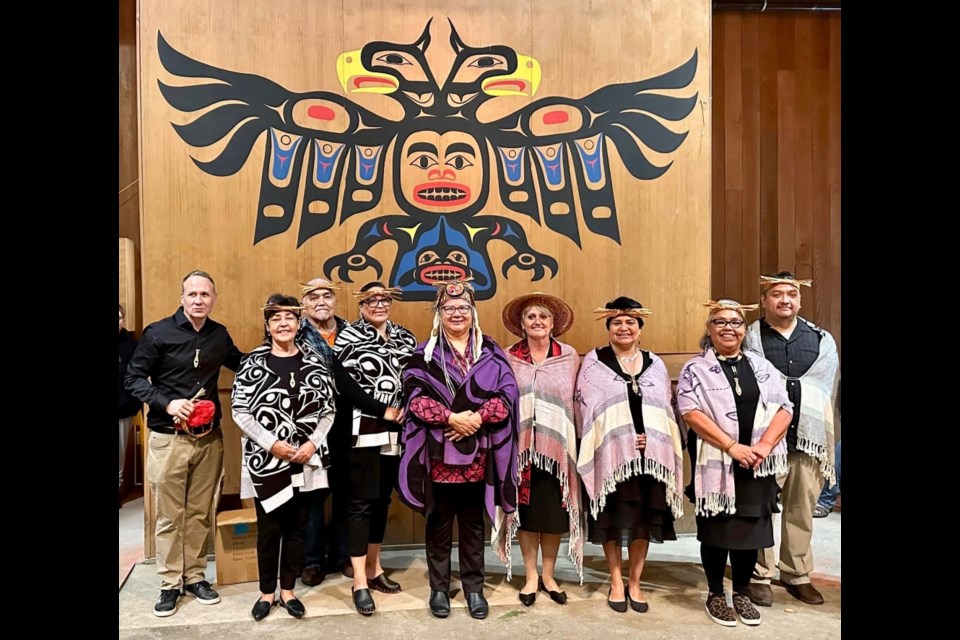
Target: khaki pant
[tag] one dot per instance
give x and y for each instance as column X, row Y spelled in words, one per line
column 184, row 473
column 125, row 424
column 800, row 489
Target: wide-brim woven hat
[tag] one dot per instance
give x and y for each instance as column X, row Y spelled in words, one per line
column 562, row 313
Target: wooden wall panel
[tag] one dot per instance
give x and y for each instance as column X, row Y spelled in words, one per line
column 128, row 214
column 776, row 198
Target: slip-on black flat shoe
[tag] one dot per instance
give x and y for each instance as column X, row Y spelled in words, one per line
column 560, row 597
column 261, row 609
column 294, row 607
column 639, row 607
column 619, row 607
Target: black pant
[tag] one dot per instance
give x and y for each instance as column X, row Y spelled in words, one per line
column 280, row 540
column 326, row 541
column 466, row 502
column 714, row 561
column 367, row 516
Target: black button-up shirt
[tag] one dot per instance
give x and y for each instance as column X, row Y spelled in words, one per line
column 793, row 356
column 173, row 361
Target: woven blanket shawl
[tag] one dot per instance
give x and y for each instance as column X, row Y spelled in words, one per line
column 548, row 433
column 704, row 387
column 608, row 451
column 816, row 430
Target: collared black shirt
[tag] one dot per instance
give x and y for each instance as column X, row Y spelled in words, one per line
column 173, row 361
column 793, row 357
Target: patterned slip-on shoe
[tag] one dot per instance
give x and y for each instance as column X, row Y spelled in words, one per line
column 747, row 613
column 719, row 612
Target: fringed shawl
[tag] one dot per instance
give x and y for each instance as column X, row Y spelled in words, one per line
column 608, row 450
column 548, row 433
column 489, row 376
column 704, row 387
column 816, row 428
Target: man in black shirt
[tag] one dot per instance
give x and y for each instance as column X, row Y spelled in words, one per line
column 176, row 359
column 806, row 356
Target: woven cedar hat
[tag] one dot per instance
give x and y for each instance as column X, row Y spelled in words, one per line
column 562, row 313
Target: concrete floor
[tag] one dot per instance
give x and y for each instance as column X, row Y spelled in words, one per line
column 672, row 581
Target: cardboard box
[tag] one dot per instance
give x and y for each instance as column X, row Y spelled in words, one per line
column 236, row 546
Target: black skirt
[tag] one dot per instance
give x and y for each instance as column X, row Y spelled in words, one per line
column 545, row 513
column 636, row 510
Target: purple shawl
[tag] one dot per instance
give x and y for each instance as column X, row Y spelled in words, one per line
column 489, row 376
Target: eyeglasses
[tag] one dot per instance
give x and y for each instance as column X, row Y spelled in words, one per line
column 720, row 323
column 379, row 302
column 449, row 311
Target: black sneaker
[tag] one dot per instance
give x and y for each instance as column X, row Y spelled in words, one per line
column 202, row 592
column 166, row 603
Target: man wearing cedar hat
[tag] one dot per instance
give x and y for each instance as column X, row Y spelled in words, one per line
column 806, row 355
column 177, row 362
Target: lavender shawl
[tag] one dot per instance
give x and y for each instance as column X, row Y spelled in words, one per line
column 489, row 376
column 608, row 450
column 704, row 387
column 548, row 435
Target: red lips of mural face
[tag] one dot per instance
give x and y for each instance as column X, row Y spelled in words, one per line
column 442, row 273
column 441, row 194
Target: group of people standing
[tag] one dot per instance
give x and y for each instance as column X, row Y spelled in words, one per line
column 543, row 444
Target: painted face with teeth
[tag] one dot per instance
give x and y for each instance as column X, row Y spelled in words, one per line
column 442, row 172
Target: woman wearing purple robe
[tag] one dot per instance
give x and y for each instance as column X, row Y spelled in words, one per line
column 460, row 446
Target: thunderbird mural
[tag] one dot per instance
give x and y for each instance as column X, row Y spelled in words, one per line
column 551, row 158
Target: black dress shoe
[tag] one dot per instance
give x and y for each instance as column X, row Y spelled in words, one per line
column 804, row 593
column 294, row 607
column 636, row 605
column 619, row 607
column 261, row 609
column 363, row 601
column 439, row 603
column 477, row 605
column 383, row 584
column 560, row 597
column 527, row 599
column 312, row 576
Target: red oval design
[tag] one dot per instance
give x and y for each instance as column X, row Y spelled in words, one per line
column 318, row 112
column 555, row 117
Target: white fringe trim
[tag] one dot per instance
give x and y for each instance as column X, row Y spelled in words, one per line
column 669, row 479
column 819, row 452
column 772, row 466
column 715, row 503
column 501, row 537
column 624, row 472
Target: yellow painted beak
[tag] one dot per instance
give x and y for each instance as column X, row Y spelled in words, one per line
column 354, row 77
column 523, row 82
